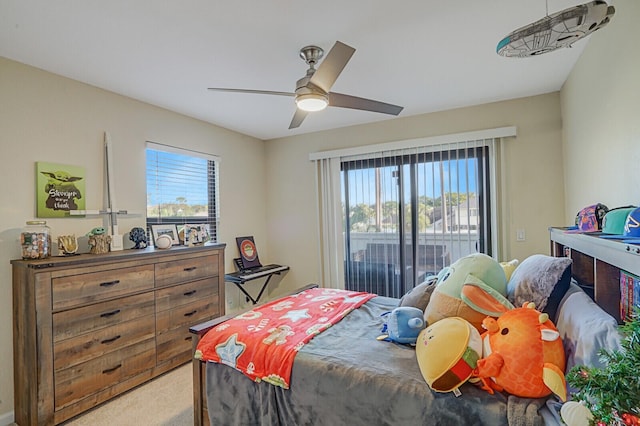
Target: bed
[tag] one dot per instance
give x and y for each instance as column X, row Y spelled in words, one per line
column 345, row 376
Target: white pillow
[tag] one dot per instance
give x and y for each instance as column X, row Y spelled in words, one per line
column 585, row 329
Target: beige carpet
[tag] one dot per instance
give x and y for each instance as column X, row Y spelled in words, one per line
column 165, row 401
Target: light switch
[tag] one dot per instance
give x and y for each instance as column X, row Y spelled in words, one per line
column 520, row 235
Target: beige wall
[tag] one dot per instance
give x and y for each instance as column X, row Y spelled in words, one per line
column 601, row 116
column 44, row 117
column 533, row 193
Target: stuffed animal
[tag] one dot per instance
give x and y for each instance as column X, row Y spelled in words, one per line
column 574, row 413
column 509, row 267
column 447, row 353
column 473, row 287
column 522, row 354
column 402, row 325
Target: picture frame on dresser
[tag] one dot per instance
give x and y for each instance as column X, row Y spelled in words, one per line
column 165, row 229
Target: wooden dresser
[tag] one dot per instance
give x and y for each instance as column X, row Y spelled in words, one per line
column 89, row 327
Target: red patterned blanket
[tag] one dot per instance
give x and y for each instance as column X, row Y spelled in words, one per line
column 263, row 342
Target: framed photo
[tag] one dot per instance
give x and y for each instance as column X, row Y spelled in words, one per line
column 165, row 229
column 248, row 252
column 196, row 234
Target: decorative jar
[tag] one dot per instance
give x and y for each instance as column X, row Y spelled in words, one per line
column 35, row 240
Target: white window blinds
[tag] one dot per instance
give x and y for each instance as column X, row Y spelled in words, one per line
column 182, row 187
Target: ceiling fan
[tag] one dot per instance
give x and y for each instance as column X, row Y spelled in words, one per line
column 313, row 90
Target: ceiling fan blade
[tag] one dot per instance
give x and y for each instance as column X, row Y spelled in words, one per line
column 332, row 65
column 258, row 92
column 353, row 102
column 298, row 118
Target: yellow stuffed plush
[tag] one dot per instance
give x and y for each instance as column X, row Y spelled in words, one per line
column 509, row 267
column 447, row 353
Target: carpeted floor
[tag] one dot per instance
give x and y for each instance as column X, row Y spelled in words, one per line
column 165, row 401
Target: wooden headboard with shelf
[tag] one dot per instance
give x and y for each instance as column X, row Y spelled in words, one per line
column 597, row 263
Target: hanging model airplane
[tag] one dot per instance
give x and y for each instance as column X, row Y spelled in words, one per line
column 560, row 29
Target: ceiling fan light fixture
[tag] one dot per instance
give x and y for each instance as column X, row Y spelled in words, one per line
column 312, row 102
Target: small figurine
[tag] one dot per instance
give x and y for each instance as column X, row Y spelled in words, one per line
column 99, row 243
column 67, row 244
column 96, row 231
column 139, row 237
column 98, row 240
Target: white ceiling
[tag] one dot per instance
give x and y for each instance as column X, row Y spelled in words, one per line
column 422, row 54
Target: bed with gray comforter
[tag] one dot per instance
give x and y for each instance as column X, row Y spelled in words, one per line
column 344, row 376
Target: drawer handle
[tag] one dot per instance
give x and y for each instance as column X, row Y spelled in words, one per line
column 188, row 314
column 110, row 314
column 109, row 283
column 113, row 339
column 190, row 268
column 111, row 370
column 188, row 338
column 190, row 293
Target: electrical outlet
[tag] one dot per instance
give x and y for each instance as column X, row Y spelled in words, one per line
column 520, row 236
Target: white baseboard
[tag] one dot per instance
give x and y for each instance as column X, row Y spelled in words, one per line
column 6, row 419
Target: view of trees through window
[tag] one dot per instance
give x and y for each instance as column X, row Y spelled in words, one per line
column 433, row 202
column 364, row 218
column 179, row 207
column 181, row 188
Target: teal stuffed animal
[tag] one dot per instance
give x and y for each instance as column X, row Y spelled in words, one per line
column 403, row 325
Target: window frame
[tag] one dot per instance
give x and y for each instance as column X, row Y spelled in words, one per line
column 327, row 174
column 481, row 153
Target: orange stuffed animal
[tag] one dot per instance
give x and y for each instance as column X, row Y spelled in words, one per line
column 522, row 354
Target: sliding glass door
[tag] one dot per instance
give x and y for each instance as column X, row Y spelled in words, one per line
column 408, row 215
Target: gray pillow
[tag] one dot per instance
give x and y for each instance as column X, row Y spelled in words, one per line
column 585, row 329
column 419, row 296
column 542, row 280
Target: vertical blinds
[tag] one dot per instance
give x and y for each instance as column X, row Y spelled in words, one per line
column 418, row 209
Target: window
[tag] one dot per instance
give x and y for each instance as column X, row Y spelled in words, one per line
column 431, row 201
column 390, row 214
column 182, row 187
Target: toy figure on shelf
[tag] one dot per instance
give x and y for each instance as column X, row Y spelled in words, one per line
column 67, row 245
column 98, row 241
column 139, row 237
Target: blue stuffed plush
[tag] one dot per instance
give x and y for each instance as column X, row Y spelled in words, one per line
column 402, row 325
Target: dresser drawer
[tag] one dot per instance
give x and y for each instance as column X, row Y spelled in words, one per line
column 85, row 347
column 186, row 315
column 173, row 344
column 79, row 381
column 183, row 270
column 73, row 322
column 74, row 290
column 172, row 297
